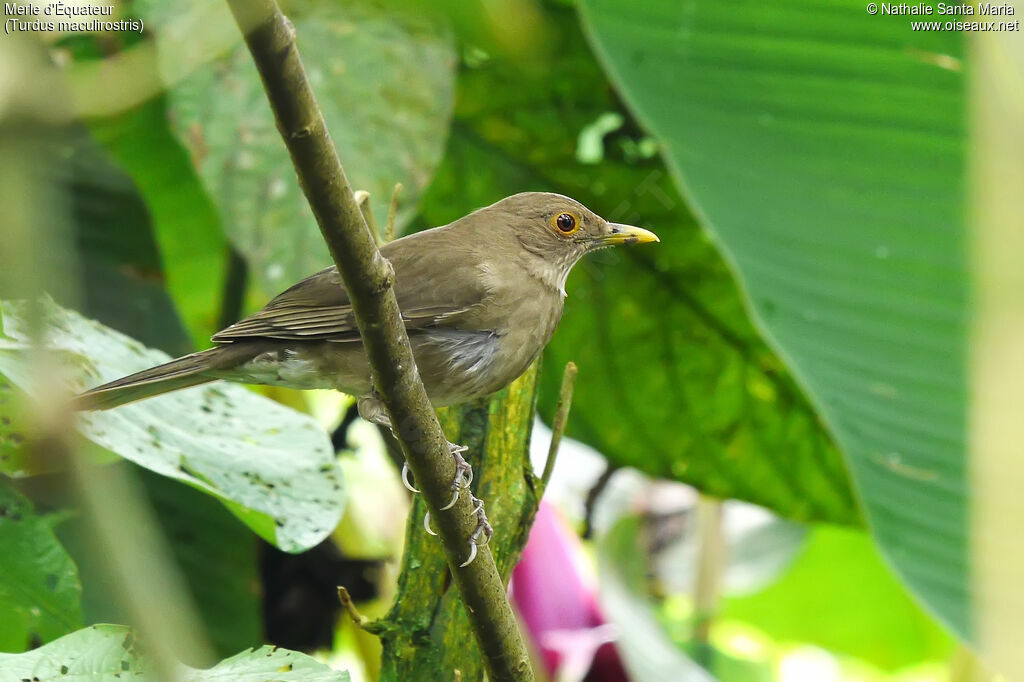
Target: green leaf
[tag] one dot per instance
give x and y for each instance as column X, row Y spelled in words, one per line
column 839, row 595
column 385, row 88
column 192, row 246
column 273, row 467
column 40, row 596
column 121, row 268
column 14, row 459
column 673, row 380
column 109, row 653
column 824, row 147
column 256, row 664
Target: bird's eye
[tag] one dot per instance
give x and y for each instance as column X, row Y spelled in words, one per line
column 566, row 222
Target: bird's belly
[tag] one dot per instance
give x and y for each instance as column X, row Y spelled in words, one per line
column 307, row 366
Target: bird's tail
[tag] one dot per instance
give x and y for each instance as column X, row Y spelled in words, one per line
column 171, row 376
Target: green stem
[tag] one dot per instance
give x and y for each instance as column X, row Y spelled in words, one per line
column 368, row 279
column 710, row 564
column 363, row 199
column 561, row 419
column 389, row 234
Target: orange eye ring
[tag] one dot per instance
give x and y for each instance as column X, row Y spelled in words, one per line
column 566, row 223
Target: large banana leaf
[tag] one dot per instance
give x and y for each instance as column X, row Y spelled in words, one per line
column 825, row 150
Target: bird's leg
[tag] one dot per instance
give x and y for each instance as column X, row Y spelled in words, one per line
column 373, row 411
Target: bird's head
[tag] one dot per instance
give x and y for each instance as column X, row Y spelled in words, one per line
column 559, row 229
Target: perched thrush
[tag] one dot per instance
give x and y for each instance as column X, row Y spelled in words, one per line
column 480, row 297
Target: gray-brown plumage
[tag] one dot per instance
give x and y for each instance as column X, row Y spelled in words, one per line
column 481, row 298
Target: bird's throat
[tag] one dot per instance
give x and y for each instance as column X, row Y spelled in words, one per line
column 551, row 274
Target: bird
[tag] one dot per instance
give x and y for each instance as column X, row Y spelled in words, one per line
column 480, row 298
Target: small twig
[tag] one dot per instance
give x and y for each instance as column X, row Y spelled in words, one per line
column 389, row 233
column 363, row 199
column 339, row 437
column 560, row 420
column 359, row 619
column 590, row 503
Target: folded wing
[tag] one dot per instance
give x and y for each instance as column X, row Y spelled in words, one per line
column 431, row 293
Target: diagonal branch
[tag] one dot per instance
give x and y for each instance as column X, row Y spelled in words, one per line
column 368, row 278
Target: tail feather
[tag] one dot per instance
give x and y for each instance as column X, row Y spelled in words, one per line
column 171, row 376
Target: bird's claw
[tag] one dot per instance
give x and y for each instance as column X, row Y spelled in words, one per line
column 426, row 524
column 405, row 478
column 455, row 498
column 463, row 474
column 483, row 528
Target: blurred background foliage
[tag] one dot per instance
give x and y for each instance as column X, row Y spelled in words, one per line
column 805, row 146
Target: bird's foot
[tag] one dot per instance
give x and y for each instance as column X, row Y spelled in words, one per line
column 483, row 530
column 463, row 474
column 405, row 479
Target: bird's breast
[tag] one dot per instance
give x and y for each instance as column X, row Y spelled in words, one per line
column 458, row 365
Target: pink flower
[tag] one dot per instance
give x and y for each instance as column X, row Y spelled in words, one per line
column 555, row 591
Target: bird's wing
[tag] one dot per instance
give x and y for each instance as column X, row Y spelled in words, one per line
column 435, row 285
